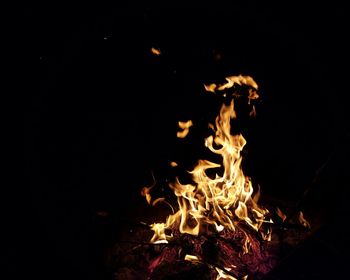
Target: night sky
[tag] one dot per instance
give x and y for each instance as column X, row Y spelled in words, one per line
column 104, row 114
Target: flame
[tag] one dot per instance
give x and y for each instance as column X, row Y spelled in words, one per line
column 223, row 275
column 191, row 258
column 237, row 80
column 225, row 201
column 146, row 190
column 231, row 81
column 303, row 221
column 185, row 126
column 252, row 94
column 252, row 112
column 210, row 87
column 156, row 51
column 281, row 214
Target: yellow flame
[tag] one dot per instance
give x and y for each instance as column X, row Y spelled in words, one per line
column 225, row 200
column 220, row 202
column 146, row 192
column 159, row 233
column 191, row 258
column 185, row 126
column 156, row 51
column 210, row 87
column 237, row 80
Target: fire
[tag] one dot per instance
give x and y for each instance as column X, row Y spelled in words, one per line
column 303, row 221
column 191, row 258
column 223, row 275
column 185, row 126
column 239, row 80
column 146, row 191
column 225, row 201
column 220, row 200
column 156, row 51
column 281, row 214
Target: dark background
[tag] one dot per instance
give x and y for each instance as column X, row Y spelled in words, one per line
column 105, row 111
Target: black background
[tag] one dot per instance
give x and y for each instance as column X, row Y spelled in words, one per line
column 105, row 113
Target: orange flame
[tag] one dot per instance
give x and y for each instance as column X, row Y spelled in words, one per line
column 253, row 112
column 237, row 80
column 281, row 214
column 210, row 87
column 146, row 190
column 221, row 202
column 303, row 221
column 156, row 51
column 185, row 126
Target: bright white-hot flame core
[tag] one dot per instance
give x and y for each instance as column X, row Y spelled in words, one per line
column 223, row 202
column 222, row 275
